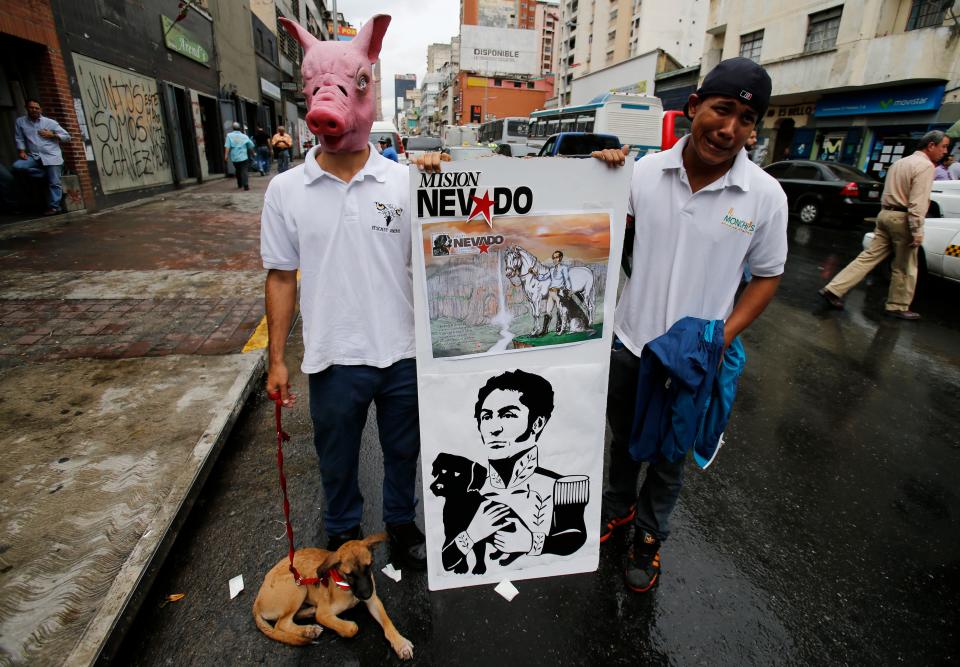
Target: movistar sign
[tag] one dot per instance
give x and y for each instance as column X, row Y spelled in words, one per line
column 884, row 100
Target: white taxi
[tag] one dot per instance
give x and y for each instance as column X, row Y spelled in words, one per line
column 940, row 252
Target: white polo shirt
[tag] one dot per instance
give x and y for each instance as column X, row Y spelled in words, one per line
column 351, row 242
column 690, row 248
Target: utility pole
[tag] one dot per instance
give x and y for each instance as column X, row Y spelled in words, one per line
column 336, row 23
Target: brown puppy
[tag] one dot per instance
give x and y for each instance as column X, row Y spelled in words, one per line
column 281, row 600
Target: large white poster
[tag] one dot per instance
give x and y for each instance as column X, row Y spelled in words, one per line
column 511, row 277
column 505, row 51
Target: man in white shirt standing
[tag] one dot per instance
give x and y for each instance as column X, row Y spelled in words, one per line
column 701, row 211
column 342, row 219
column 38, row 141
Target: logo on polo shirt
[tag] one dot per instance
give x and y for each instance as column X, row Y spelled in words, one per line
column 390, row 214
column 741, row 225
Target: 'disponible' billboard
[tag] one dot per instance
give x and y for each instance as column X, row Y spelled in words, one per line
column 498, row 50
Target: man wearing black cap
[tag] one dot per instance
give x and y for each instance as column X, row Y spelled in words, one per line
column 387, row 149
column 703, row 212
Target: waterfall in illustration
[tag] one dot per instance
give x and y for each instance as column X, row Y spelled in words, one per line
column 503, row 317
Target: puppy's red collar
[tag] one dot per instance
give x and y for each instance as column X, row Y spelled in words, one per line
column 337, row 578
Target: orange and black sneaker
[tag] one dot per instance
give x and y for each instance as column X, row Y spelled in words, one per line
column 643, row 563
column 611, row 519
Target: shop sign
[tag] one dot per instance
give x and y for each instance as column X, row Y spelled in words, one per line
column 345, row 33
column 476, row 82
column 179, row 39
column 890, row 100
column 793, row 110
column 270, row 89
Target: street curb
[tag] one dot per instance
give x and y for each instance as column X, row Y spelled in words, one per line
column 105, row 632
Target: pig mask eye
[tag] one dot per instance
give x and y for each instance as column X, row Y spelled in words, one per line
column 362, row 80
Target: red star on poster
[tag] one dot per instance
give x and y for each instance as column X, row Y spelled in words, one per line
column 483, row 248
column 482, row 207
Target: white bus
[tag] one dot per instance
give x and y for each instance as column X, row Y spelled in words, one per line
column 512, row 130
column 636, row 120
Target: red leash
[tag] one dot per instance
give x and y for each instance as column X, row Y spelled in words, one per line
column 282, row 437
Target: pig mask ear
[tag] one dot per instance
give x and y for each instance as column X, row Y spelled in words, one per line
column 298, row 32
column 370, row 38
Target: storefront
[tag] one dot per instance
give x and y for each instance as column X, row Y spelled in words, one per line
column 150, row 119
column 871, row 129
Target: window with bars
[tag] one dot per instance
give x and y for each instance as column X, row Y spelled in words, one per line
column 750, row 45
column 288, row 45
column 822, row 30
column 927, row 14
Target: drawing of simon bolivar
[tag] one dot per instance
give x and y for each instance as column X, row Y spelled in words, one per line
column 529, row 509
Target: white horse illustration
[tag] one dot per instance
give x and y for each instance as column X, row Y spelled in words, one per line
column 522, row 268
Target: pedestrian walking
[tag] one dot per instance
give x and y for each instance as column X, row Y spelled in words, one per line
column 281, row 143
column 262, row 142
column 38, row 140
column 700, row 212
column 942, row 171
column 324, row 217
column 238, row 148
column 387, row 149
column 898, row 231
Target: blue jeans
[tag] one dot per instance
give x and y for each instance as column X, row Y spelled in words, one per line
column 340, row 398
column 263, row 159
column 283, row 160
column 662, row 481
column 35, row 169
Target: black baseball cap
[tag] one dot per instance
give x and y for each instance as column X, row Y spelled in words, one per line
column 385, row 140
column 741, row 79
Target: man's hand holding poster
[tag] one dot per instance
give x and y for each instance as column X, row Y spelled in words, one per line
column 515, row 275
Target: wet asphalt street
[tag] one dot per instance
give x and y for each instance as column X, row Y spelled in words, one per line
column 827, row 531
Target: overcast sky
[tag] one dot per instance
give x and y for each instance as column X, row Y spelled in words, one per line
column 414, row 24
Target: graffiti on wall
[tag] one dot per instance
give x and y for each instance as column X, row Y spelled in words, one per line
column 126, row 126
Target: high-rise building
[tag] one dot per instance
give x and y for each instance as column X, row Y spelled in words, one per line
column 480, row 96
column 401, row 84
column 437, row 55
column 547, row 23
column 595, row 35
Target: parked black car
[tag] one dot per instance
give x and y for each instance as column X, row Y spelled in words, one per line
column 817, row 190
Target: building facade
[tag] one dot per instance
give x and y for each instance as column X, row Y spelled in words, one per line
column 595, row 35
column 856, row 82
column 401, row 84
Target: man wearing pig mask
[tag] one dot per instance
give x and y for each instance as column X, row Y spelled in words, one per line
column 342, row 219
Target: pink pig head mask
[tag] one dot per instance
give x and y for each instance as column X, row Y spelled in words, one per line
column 338, row 84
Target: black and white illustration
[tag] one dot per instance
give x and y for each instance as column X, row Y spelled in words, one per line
column 513, row 495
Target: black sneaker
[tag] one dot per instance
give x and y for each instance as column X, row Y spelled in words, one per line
column 408, row 547
column 643, row 563
column 334, row 542
column 611, row 519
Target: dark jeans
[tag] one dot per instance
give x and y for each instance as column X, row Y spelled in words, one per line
column 283, row 160
column 340, row 398
column 33, row 168
column 242, row 173
column 263, row 159
column 663, row 480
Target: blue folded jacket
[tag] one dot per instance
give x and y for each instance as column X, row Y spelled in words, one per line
column 683, row 398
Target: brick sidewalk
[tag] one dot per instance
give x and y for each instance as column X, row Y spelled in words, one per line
column 45, row 329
